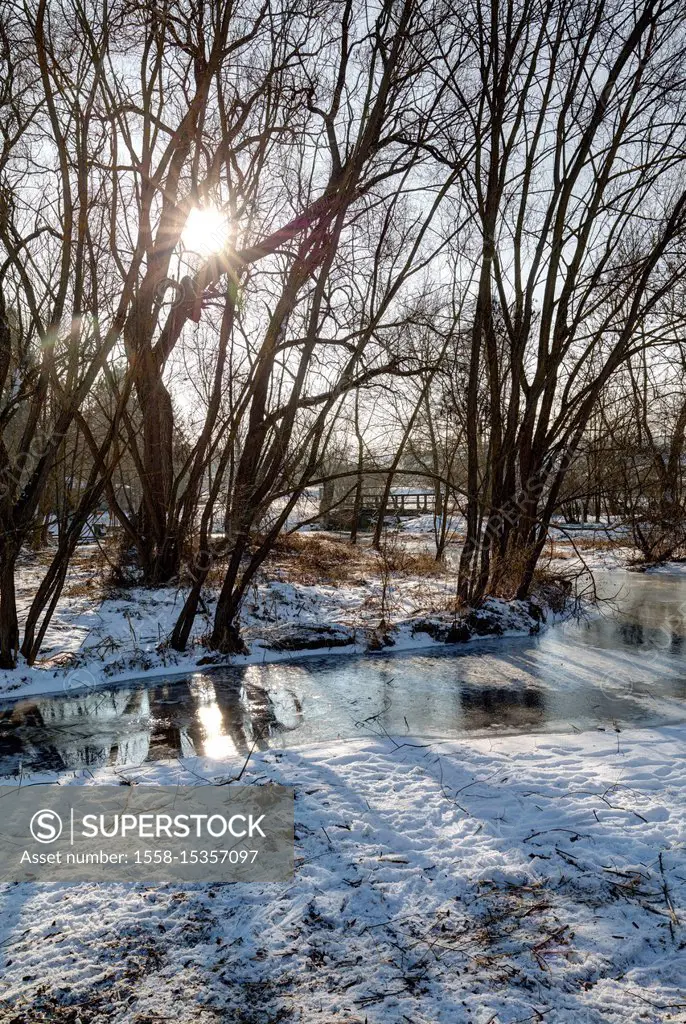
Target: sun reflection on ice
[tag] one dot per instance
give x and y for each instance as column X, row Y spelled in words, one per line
column 217, row 744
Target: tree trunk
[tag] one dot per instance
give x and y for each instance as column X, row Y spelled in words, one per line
column 226, row 635
column 160, row 558
column 9, row 624
column 357, row 503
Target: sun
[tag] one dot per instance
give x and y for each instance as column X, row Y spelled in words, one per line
column 206, row 231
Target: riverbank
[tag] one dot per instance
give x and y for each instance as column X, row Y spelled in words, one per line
column 499, row 880
column 316, row 596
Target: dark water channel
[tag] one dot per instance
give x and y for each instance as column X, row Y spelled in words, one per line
column 623, row 667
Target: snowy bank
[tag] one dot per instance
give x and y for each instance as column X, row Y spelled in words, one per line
column 509, row 879
column 99, row 636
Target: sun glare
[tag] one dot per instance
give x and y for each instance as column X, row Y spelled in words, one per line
column 206, row 231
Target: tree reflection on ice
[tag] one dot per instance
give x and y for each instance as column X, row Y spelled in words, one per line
column 129, row 725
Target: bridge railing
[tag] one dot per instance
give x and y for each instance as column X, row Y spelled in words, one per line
column 400, row 503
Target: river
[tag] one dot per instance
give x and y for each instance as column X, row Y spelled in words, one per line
column 623, row 665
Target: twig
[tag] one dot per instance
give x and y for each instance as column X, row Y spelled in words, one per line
column 257, row 737
column 579, row 835
column 674, row 920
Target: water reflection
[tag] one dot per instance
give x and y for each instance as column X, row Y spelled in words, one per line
column 486, row 706
column 639, row 611
column 133, row 724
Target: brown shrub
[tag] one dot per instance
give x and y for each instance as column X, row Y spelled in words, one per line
column 88, row 574
column 91, row 587
column 508, row 572
column 456, row 605
column 312, row 558
column 554, row 587
column 413, row 563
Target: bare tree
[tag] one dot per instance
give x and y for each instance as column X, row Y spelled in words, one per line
column 577, row 110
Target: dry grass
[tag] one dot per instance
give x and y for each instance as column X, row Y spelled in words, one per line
column 311, row 559
column 91, row 587
column 413, row 563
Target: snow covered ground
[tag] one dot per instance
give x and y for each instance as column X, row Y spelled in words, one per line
column 500, row 880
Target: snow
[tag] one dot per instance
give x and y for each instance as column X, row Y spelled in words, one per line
column 430, row 523
column 667, row 569
column 500, row 880
column 603, row 529
column 508, row 878
column 94, row 640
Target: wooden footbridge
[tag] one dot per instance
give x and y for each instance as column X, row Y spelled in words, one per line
column 401, row 504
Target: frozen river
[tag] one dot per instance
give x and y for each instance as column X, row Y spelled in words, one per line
column 623, row 666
